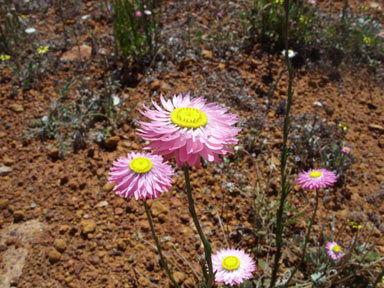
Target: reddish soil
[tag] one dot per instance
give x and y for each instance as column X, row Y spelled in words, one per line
column 89, row 237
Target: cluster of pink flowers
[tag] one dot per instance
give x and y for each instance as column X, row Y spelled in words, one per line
column 188, row 130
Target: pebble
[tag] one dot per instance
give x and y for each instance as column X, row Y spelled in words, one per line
column 54, row 153
column 33, row 206
column 88, row 226
column 16, row 108
column 82, row 52
column 8, row 161
column 60, row 245
column 111, row 142
column 102, row 204
column 179, row 277
column 108, row 186
column 375, row 127
column 4, row 203
column 207, row 54
column 5, row 170
column 63, row 229
column 54, row 256
column 158, row 208
column 18, row 215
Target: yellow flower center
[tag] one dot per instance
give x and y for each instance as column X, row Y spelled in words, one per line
column 140, row 165
column 230, row 263
column 189, row 117
column 315, row 174
column 336, row 249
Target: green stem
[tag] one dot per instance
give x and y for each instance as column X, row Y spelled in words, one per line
column 306, row 239
column 207, row 246
column 285, row 189
column 162, row 259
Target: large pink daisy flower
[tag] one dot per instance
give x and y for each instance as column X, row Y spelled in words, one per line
column 189, row 128
column 141, row 175
column 316, row 179
column 232, row 266
column 334, row 250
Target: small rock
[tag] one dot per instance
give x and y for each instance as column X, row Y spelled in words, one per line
column 4, row 204
column 158, row 208
column 380, row 178
column 112, row 141
column 121, row 245
column 16, row 107
column 8, row 161
column 375, row 127
column 54, row 256
column 82, row 52
column 108, row 186
column 18, row 215
column 102, row 204
column 189, row 283
column 207, row 54
column 63, row 229
column 33, row 206
column 54, row 153
column 179, row 277
column 88, row 226
column 119, row 211
column 60, row 245
column 4, row 170
column 155, row 85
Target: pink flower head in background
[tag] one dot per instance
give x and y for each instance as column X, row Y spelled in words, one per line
column 138, row 13
column 232, row 266
column 316, row 179
column 334, row 251
column 346, row 149
column 188, row 129
column 141, row 175
column 381, row 34
column 313, row 2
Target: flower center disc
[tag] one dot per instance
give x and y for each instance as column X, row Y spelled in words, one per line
column 315, row 174
column 189, row 117
column 230, row 263
column 336, row 249
column 140, row 165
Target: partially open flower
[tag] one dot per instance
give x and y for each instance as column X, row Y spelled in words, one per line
column 316, row 179
column 188, row 129
column 232, row 266
column 291, row 53
column 141, row 175
column 346, row 149
column 334, row 250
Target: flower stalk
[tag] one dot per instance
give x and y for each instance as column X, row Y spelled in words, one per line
column 207, row 246
column 163, row 262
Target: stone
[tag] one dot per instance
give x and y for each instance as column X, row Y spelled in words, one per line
column 54, row 153
column 88, row 226
column 54, row 256
column 60, row 245
column 108, row 186
column 5, row 170
column 207, row 54
column 179, row 277
column 8, row 161
column 82, row 52
column 375, row 127
column 16, row 108
column 155, row 85
column 63, row 229
column 4, row 203
column 18, row 215
column 158, row 208
column 112, row 141
column 102, row 204
column 189, row 283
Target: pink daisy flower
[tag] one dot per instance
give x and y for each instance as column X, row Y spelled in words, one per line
column 381, row 34
column 232, row 266
column 346, row 149
column 188, row 129
column 334, row 250
column 316, row 179
column 138, row 13
column 141, row 175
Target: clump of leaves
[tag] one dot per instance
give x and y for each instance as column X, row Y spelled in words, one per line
column 73, row 124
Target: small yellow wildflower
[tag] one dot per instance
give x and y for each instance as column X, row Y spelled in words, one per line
column 367, row 40
column 4, row 57
column 303, row 19
column 279, row 1
column 42, row 49
column 343, row 126
column 354, row 225
column 364, row 7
